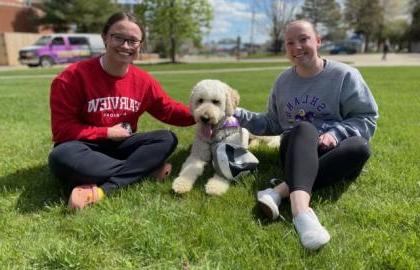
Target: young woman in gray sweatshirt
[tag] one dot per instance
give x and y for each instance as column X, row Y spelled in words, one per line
column 326, row 115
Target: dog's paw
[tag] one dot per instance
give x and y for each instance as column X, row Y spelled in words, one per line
column 217, row 186
column 181, row 185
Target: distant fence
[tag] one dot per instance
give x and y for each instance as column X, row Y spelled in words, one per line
column 11, row 43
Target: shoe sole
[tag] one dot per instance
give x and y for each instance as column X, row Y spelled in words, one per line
column 267, row 207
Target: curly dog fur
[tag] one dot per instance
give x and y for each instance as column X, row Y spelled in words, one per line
column 212, row 103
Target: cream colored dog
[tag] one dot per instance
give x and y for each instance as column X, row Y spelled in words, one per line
column 212, row 104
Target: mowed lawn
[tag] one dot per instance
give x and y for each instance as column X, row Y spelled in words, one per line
column 374, row 222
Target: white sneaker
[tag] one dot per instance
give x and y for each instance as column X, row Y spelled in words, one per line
column 311, row 233
column 269, row 201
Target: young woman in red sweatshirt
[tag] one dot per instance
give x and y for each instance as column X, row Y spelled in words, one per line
column 95, row 105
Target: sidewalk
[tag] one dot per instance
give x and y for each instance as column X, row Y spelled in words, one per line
column 358, row 60
column 375, row 59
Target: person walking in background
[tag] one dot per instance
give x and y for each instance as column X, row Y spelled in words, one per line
column 95, row 106
column 385, row 49
column 326, row 115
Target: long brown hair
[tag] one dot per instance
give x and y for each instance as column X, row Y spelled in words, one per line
column 120, row 16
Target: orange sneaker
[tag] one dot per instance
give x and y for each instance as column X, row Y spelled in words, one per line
column 82, row 196
column 163, row 172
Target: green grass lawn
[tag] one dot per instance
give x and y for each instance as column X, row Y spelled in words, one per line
column 374, row 222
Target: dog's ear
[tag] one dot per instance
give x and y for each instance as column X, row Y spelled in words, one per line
column 191, row 100
column 232, row 101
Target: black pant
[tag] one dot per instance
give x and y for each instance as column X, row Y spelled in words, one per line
column 111, row 164
column 306, row 166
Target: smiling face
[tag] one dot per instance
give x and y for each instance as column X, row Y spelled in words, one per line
column 122, row 42
column 302, row 44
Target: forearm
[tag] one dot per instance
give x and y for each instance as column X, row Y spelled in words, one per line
column 257, row 123
column 359, row 126
column 179, row 117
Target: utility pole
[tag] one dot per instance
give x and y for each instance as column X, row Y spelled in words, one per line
column 131, row 6
column 251, row 38
column 238, row 48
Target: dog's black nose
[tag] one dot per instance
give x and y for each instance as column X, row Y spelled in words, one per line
column 204, row 119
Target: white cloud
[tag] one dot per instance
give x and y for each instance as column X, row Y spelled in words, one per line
column 234, row 10
column 232, row 18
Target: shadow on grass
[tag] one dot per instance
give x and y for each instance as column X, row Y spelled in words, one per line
column 269, row 168
column 36, row 186
column 179, row 157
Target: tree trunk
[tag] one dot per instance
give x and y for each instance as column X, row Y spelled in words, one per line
column 366, row 43
column 173, row 50
column 277, row 46
column 172, row 35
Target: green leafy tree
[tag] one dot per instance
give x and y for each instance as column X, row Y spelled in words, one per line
column 90, row 16
column 57, row 14
column 390, row 23
column 395, row 31
column 87, row 16
column 365, row 17
column 172, row 22
column 414, row 29
column 324, row 14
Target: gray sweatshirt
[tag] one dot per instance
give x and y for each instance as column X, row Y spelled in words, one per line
column 337, row 100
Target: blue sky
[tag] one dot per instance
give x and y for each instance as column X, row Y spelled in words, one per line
column 232, row 18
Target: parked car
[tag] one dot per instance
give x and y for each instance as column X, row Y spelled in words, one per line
column 343, row 48
column 61, row 48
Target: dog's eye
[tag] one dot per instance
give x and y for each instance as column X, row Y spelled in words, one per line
column 200, row 101
column 215, row 101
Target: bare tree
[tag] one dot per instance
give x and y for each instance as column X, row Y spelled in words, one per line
column 279, row 13
column 325, row 15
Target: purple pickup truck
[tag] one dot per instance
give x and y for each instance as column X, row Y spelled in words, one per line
column 61, row 48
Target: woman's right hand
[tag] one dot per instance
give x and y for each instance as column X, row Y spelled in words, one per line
column 117, row 133
column 327, row 141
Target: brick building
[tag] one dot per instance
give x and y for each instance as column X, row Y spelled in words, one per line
column 19, row 16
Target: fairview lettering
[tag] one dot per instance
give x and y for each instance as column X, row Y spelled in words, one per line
column 113, row 103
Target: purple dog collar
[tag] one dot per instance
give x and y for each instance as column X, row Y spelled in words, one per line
column 231, row 122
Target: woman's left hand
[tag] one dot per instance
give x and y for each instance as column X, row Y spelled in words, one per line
column 327, row 141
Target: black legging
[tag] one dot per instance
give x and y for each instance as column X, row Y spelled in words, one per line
column 111, row 164
column 307, row 167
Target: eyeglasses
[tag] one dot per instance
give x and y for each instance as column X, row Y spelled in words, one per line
column 118, row 40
